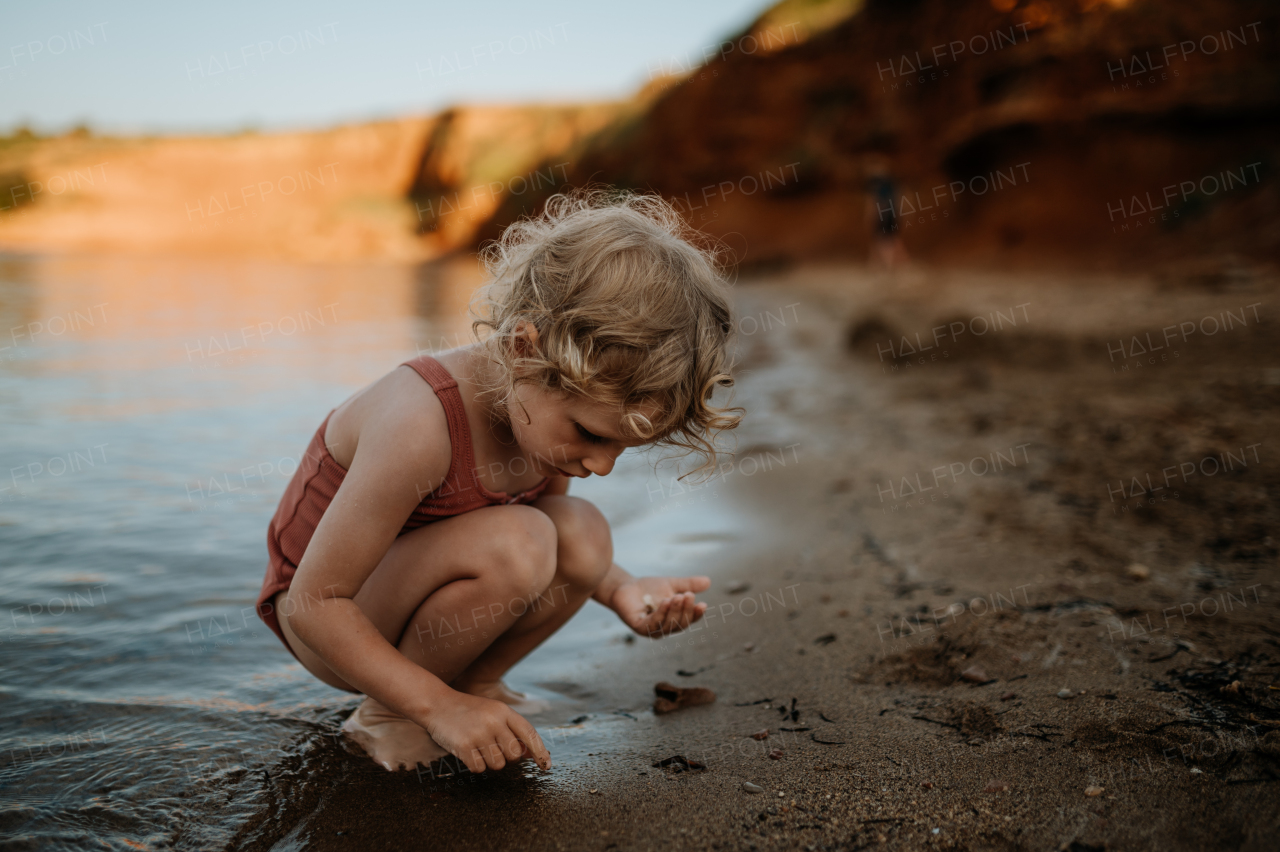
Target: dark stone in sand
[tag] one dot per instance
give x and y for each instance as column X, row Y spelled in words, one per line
column 672, row 698
column 975, row 674
column 776, row 754
column 679, row 763
column 761, row 735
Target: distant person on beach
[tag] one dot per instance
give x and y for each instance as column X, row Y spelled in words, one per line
column 427, row 542
column 887, row 247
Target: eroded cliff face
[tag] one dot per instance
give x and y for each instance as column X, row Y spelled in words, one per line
column 476, row 156
column 1063, row 131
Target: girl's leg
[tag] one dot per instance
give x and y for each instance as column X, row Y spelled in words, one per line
column 440, row 595
column 584, row 553
column 444, row 593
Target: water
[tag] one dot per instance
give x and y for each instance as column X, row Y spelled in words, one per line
column 151, row 413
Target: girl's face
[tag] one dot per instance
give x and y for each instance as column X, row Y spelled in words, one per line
column 568, row 435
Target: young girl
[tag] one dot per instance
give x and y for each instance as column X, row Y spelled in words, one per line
column 427, row 542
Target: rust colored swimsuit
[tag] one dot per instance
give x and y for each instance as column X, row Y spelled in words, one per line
column 318, row 477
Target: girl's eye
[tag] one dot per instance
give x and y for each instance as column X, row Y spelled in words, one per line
column 590, row 436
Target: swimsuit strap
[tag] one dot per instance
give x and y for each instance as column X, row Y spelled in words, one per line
column 464, row 457
column 446, row 388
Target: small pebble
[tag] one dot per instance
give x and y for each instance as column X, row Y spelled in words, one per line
column 1008, row 696
column 752, row 788
column 593, row 792
column 1197, row 771
column 776, row 754
column 1093, row 792
column 1138, row 571
column 737, row 587
column 1066, row 693
column 975, row 674
column 750, row 646
column 928, row 785
column 761, row 735
column 995, row 785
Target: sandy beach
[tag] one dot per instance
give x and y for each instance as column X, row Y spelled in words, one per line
column 962, row 610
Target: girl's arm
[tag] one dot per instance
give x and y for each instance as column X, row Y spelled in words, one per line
column 651, row 606
column 402, row 452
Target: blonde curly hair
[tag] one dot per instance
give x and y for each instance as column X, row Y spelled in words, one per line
column 631, row 307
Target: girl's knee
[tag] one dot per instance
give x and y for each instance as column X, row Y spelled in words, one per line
column 585, row 542
column 523, row 548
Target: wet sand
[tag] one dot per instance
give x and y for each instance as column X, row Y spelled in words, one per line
column 945, row 633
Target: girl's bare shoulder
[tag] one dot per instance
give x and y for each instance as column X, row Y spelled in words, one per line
column 396, row 423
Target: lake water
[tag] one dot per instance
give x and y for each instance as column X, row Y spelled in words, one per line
column 151, row 413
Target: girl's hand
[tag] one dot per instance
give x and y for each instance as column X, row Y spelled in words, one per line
column 658, row 606
column 484, row 733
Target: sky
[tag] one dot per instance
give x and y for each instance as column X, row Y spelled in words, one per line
column 182, row 67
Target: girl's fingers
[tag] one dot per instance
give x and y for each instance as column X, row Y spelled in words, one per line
column 494, row 757
column 529, row 737
column 691, row 584
column 474, row 761
column 664, row 610
column 515, row 749
column 686, row 609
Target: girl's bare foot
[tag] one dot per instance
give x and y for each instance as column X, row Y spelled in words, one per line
column 391, row 739
column 499, row 691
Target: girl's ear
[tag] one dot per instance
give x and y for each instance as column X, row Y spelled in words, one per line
column 525, row 339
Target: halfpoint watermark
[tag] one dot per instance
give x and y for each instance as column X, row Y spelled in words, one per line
column 255, row 54
column 1146, row 492
column 1144, row 351
column 908, row 72
column 910, row 491
column 447, row 66
column 1136, row 70
column 1174, row 199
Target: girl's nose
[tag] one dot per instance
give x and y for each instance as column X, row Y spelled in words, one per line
column 600, row 465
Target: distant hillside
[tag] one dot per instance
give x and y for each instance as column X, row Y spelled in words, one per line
column 332, row 194
column 409, row 189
